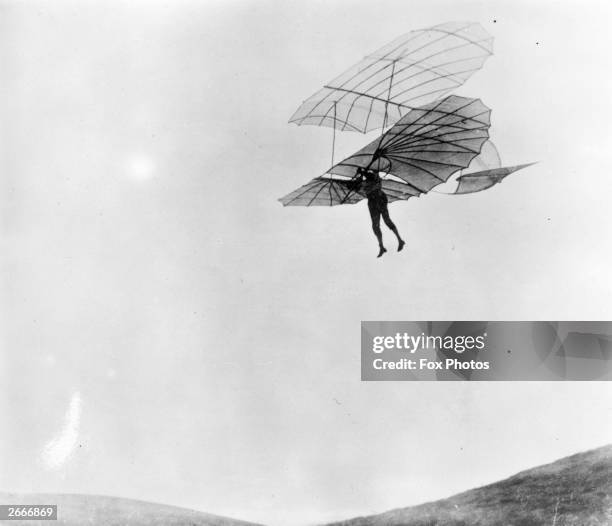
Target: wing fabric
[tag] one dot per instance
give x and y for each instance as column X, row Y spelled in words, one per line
column 422, row 150
column 415, row 69
column 479, row 181
column 327, row 191
column 426, row 146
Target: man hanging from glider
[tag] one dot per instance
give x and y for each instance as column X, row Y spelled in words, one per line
column 434, row 134
column 369, row 183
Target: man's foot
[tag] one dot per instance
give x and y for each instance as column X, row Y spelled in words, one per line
column 382, row 251
column 401, row 245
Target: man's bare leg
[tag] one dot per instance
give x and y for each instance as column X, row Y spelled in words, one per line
column 393, row 228
column 378, row 233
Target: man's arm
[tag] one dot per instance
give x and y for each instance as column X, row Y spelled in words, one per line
column 355, row 184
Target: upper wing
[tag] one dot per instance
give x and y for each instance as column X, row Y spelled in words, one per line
column 415, row 69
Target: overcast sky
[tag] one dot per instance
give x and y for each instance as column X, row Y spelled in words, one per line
column 171, row 333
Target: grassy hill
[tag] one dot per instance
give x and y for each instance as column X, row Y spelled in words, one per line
column 573, row 491
column 82, row 510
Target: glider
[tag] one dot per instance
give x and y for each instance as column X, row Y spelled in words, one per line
column 405, row 86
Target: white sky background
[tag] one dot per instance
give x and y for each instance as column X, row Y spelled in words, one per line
column 211, row 336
